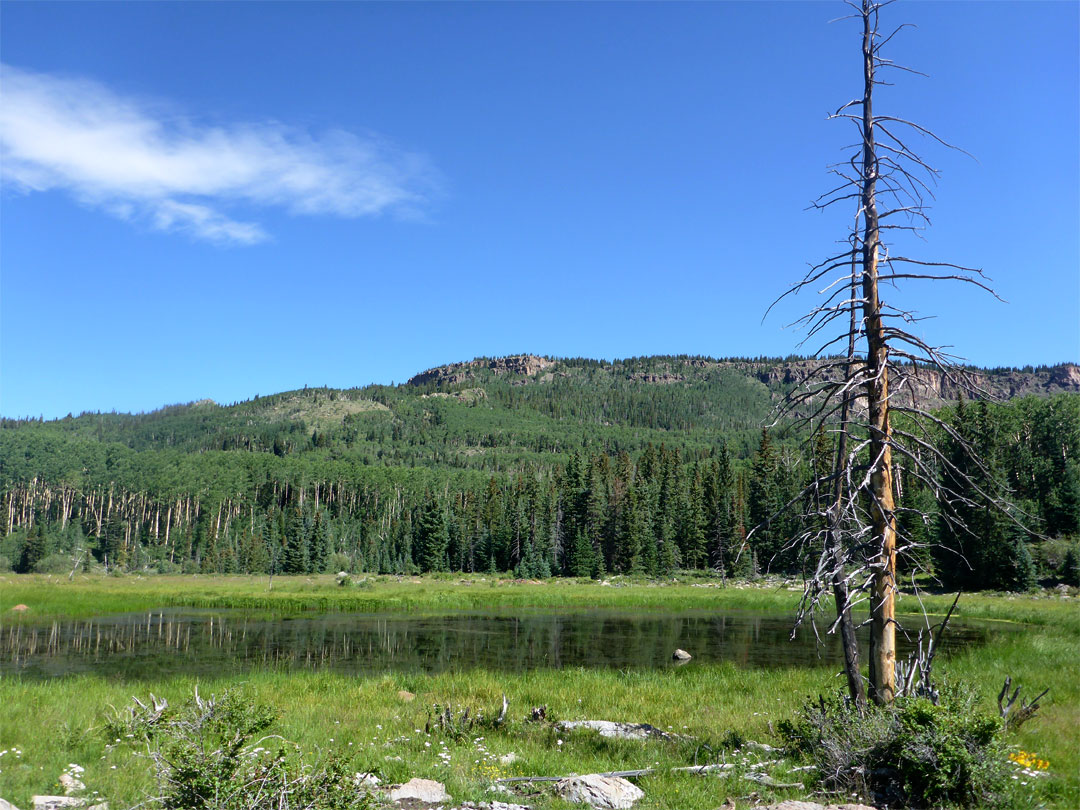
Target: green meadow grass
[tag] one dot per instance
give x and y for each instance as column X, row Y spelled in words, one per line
column 55, row 596
column 54, row 723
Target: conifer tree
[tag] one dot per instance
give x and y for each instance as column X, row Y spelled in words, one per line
column 630, row 557
column 295, row 559
column 764, row 503
column 432, row 536
column 34, row 549
column 1070, row 568
column 319, row 544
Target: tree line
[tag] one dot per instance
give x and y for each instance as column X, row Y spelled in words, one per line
column 587, row 512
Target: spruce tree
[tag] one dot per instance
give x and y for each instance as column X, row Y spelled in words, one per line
column 319, row 544
column 295, row 559
column 581, row 560
column 764, row 502
column 432, row 536
column 1070, row 568
column 1020, row 575
column 34, row 549
column 629, row 558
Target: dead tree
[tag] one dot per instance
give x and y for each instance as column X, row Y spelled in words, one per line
column 869, row 398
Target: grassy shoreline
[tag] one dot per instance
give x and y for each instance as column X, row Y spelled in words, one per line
column 53, row 722
column 50, row 596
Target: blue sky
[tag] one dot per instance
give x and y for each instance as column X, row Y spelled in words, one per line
column 222, row 200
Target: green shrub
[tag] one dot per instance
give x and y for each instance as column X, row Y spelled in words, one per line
column 1019, row 573
column 165, row 566
column 55, row 564
column 910, row 754
column 342, row 562
column 1050, row 555
column 208, row 755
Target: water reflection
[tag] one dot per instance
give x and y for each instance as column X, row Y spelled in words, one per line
column 173, row 642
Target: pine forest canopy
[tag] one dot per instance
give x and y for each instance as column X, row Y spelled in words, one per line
column 540, row 465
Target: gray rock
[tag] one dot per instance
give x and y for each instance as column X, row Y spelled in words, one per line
column 601, row 792
column 617, row 731
column 366, row 780
column 6, row 805
column 760, row 748
column 681, row 655
column 71, row 784
column 64, row 802
column 427, row 791
column 55, row 802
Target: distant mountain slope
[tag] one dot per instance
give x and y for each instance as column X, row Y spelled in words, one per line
column 482, row 413
column 556, row 465
column 777, row 375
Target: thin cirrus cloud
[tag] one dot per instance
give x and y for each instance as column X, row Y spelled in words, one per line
column 141, row 163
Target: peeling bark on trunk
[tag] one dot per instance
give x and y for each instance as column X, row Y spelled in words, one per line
column 882, row 608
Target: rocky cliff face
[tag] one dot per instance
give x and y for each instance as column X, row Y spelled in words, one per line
column 931, row 387
column 520, row 365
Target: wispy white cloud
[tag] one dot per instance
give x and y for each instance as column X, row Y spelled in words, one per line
column 140, row 162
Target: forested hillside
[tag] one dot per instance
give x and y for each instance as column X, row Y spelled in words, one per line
column 541, row 466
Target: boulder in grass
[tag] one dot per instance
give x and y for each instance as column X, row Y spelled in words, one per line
column 64, row 802
column 55, row 802
column 71, row 784
column 425, row 791
column 617, row 731
column 601, row 792
column 366, row 780
column 681, row 655
column 6, row 805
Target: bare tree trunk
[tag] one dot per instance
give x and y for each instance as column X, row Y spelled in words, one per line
column 882, row 608
column 841, row 592
column 858, row 556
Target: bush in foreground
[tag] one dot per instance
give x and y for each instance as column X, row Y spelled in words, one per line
column 910, row 754
column 208, row 755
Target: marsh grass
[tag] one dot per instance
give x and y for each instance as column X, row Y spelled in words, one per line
column 50, row 596
column 58, row 722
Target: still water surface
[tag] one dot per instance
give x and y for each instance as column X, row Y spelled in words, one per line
column 202, row 642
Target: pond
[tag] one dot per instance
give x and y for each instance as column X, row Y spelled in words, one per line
column 219, row 642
